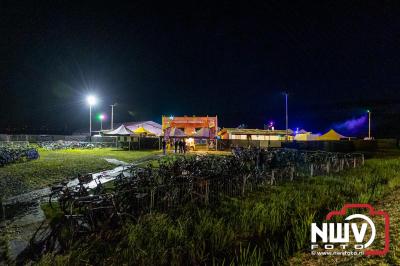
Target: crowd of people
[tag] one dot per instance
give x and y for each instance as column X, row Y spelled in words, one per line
column 179, row 145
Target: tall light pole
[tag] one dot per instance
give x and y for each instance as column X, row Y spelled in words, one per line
column 369, row 124
column 91, row 100
column 287, row 116
column 112, row 115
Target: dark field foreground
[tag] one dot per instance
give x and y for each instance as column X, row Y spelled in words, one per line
column 267, row 227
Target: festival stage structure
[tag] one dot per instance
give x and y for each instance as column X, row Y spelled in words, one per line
column 202, row 127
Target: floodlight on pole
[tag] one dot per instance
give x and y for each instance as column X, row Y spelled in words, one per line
column 91, row 100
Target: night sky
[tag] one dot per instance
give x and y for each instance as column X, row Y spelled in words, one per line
column 335, row 58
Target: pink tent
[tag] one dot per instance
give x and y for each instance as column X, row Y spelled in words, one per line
column 202, row 133
column 174, row 132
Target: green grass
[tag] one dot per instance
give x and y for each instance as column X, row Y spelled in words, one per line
column 53, row 166
column 267, row 226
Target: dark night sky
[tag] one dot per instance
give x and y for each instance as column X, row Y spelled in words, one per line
column 336, row 59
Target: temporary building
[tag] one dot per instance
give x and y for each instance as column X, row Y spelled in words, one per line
column 254, row 134
column 331, row 135
column 303, row 135
column 191, row 124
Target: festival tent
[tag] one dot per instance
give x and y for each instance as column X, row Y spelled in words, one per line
column 124, row 136
column 142, row 131
column 331, row 135
column 120, row 131
column 174, row 132
column 149, row 126
column 202, row 133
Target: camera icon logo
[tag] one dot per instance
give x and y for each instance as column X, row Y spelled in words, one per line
column 337, row 235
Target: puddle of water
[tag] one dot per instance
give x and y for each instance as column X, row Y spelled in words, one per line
column 28, row 197
column 20, row 215
column 116, row 162
column 23, row 215
column 12, row 211
column 22, row 221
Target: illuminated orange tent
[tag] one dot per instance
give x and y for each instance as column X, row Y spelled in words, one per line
column 190, row 125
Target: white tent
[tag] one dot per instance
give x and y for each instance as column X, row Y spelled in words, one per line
column 121, row 131
column 150, row 126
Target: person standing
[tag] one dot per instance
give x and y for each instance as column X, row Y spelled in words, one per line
column 176, row 145
column 180, row 146
column 164, row 146
column 184, row 146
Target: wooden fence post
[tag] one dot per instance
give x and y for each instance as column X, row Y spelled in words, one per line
column 244, row 184
column 311, row 169
column 272, row 177
column 291, row 173
column 152, row 192
column 206, row 199
column 3, row 210
column 328, row 166
column 362, row 158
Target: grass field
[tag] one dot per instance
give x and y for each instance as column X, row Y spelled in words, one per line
column 53, row 166
column 268, row 226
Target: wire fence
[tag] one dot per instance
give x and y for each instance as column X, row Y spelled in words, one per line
column 210, row 190
column 41, row 138
column 202, row 180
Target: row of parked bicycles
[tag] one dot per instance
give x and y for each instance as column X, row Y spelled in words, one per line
column 63, row 145
column 15, row 153
column 175, row 181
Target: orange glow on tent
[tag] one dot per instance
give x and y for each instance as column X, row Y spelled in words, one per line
column 190, row 125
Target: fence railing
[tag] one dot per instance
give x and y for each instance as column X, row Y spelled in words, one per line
column 42, row 138
column 353, row 145
column 59, row 145
column 208, row 191
column 130, row 197
column 14, row 143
